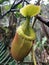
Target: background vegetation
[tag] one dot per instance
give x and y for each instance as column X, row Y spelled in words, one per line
column 10, row 19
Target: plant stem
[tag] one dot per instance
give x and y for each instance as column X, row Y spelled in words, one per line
column 27, row 21
column 34, row 58
column 26, row 26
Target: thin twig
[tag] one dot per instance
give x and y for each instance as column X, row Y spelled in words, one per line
column 43, row 20
column 13, row 4
column 27, row 2
column 45, row 31
column 37, row 3
column 34, row 22
column 10, row 9
column 23, row 3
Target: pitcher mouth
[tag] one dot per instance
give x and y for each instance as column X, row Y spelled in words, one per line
column 32, row 35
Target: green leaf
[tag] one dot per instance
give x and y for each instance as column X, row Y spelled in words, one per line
column 17, row 14
column 7, row 7
column 44, row 40
column 19, row 6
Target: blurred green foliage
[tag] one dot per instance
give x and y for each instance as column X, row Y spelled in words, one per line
column 1, row 1
column 17, row 14
column 7, row 7
column 40, row 44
